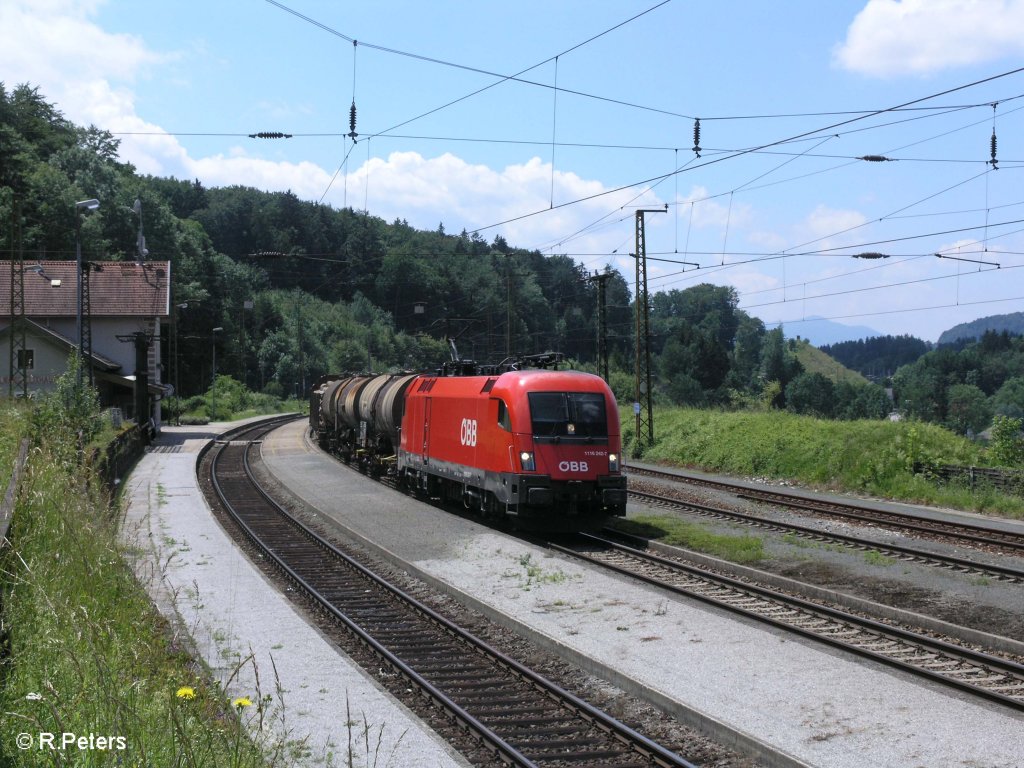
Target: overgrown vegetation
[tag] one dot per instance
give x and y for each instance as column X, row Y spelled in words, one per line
column 964, row 388
column 227, row 400
column 87, row 652
column 739, row 548
column 877, row 458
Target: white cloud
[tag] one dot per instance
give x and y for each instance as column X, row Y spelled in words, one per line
column 53, row 44
column 897, row 37
column 825, row 224
column 712, row 212
column 86, row 72
column 89, row 75
column 447, row 189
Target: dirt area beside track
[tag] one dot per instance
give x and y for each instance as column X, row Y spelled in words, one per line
column 909, row 596
column 979, row 602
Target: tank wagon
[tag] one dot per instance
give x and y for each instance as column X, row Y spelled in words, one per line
column 540, row 446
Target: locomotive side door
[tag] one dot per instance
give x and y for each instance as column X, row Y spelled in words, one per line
column 426, row 429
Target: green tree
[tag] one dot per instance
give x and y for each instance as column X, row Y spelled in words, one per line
column 778, row 364
column 920, row 392
column 969, row 411
column 1009, row 399
column 812, row 394
column 1007, row 444
column 860, row 401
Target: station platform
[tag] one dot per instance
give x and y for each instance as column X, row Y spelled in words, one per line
column 251, row 638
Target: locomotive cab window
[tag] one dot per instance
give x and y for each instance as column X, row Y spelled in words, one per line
column 504, row 421
column 568, row 414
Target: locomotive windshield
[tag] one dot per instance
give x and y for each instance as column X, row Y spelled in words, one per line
column 568, row 414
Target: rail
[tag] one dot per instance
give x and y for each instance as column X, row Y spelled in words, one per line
column 989, row 677
column 469, row 679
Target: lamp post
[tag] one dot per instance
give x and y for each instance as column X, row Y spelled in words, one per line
column 213, row 389
column 86, row 205
column 174, row 356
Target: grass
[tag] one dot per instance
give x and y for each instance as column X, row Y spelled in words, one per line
column 874, row 557
column 535, row 573
column 875, row 458
column 671, row 530
column 88, row 654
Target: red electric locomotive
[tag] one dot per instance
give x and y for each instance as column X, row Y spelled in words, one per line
column 535, row 444
column 539, row 445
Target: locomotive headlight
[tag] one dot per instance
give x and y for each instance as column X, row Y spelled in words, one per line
column 613, row 462
column 526, row 459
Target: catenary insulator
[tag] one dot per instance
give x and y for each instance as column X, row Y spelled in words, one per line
column 993, row 160
column 352, row 122
column 696, row 136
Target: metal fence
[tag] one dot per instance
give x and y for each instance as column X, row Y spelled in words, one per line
column 113, row 462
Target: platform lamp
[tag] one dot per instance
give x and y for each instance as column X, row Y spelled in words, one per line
column 83, row 205
column 213, row 389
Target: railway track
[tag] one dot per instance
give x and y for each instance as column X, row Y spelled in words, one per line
column 961, row 534
column 979, row 674
column 518, row 716
column 968, row 566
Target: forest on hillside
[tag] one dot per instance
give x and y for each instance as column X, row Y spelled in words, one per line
column 878, row 357
column 302, row 289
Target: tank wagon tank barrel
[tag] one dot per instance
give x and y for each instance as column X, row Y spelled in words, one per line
column 389, row 405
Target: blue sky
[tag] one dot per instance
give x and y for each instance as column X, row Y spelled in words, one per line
column 443, row 138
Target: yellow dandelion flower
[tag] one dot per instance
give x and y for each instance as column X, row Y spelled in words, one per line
column 242, row 702
column 186, row 693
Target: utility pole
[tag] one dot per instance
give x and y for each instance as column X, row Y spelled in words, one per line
column 642, row 403
column 86, row 333
column 602, row 321
column 141, row 340
column 19, row 349
column 300, row 382
column 508, row 304
column 82, row 205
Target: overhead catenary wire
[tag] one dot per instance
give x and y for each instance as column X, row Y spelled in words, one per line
column 724, row 249
column 551, row 201
column 766, row 145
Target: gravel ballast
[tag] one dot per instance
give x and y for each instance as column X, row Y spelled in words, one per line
column 809, row 704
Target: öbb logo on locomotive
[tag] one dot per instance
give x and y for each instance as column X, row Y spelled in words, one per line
column 573, row 466
column 468, row 433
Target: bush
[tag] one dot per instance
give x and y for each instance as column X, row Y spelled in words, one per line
column 72, row 409
column 1007, row 444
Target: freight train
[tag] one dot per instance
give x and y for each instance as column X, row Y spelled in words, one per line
column 540, row 446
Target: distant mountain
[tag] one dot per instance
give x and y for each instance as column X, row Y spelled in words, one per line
column 1013, row 323
column 820, row 331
